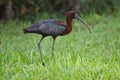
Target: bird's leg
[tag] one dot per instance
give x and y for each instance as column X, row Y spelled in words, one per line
column 54, row 37
column 41, row 51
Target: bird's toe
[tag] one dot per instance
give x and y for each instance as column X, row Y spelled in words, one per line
column 43, row 64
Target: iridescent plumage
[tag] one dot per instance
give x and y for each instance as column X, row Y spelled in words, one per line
column 54, row 28
column 49, row 27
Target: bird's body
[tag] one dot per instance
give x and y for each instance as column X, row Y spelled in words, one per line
column 49, row 27
column 54, row 28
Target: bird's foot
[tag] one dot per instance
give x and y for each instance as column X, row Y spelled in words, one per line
column 52, row 54
column 43, row 64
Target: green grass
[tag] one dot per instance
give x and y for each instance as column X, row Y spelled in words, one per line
column 78, row 56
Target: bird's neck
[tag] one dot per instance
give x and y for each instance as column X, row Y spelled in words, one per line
column 69, row 21
column 68, row 26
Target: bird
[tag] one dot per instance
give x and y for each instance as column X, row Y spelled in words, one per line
column 54, row 28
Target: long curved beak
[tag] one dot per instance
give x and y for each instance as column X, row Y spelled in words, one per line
column 77, row 17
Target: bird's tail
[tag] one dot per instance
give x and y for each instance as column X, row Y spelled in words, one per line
column 29, row 30
column 25, row 31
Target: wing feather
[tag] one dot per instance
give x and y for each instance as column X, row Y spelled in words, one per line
column 47, row 27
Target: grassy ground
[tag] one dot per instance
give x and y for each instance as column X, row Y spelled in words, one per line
column 78, row 56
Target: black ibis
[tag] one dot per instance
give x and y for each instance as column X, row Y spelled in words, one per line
column 54, row 28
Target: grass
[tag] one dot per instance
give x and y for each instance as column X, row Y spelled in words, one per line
column 78, row 56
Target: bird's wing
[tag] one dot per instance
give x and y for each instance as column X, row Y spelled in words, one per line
column 52, row 27
column 47, row 27
column 36, row 26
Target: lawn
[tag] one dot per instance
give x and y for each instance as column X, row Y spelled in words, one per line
column 78, row 56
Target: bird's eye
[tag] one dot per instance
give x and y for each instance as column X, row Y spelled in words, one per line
column 74, row 15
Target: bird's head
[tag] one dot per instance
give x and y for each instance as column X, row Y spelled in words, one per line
column 74, row 15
